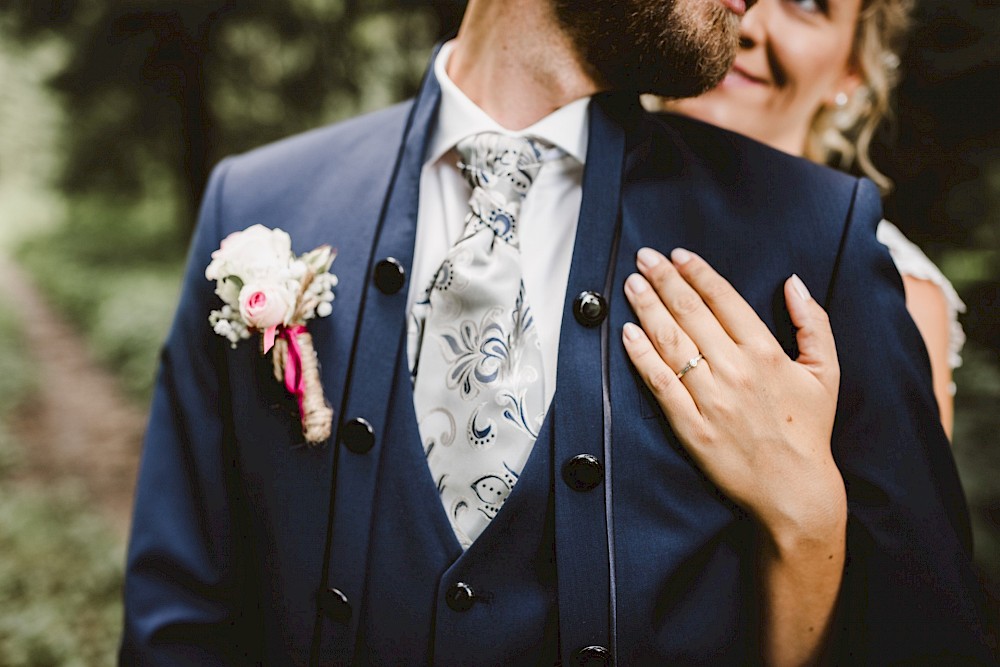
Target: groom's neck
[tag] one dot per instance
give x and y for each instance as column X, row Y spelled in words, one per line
column 513, row 60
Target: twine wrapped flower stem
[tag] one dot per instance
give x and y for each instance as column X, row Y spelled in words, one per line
column 296, row 364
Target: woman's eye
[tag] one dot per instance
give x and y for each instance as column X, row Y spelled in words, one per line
column 810, row 6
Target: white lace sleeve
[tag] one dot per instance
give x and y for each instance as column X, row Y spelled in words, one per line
column 911, row 261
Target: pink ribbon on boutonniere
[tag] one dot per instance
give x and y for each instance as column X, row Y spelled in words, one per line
column 293, row 363
column 269, row 335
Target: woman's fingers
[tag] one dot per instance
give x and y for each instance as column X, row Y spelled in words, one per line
column 817, row 348
column 686, row 309
column 670, row 393
column 672, row 343
column 685, row 304
column 731, row 310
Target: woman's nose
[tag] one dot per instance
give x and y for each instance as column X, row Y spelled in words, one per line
column 752, row 25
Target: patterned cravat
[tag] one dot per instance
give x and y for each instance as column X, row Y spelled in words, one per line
column 478, row 390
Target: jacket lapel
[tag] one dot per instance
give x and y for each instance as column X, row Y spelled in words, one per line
column 376, row 354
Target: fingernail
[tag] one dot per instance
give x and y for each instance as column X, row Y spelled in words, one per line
column 647, row 258
column 680, row 256
column 800, row 287
column 636, row 284
column 631, row 331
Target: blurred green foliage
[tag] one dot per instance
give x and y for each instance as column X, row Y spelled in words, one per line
column 30, row 131
column 160, row 90
column 60, row 568
column 115, row 273
column 976, row 450
column 154, row 92
column 117, row 282
column 16, row 383
column 60, row 581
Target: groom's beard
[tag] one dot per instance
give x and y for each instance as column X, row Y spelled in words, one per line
column 671, row 48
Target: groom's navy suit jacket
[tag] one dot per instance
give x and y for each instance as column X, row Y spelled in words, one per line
column 250, row 547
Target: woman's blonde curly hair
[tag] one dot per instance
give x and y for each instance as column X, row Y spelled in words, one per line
column 841, row 136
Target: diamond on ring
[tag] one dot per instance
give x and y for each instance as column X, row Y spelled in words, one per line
column 691, row 364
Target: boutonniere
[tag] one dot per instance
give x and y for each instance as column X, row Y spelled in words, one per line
column 265, row 288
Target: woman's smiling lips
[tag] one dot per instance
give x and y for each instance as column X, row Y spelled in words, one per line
column 737, row 76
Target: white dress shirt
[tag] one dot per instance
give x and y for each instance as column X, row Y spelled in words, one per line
column 547, row 224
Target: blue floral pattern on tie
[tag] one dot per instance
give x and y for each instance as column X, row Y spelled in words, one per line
column 479, row 353
column 474, row 350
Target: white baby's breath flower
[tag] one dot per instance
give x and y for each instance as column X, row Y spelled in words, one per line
column 324, row 309
column 240, row 329
column 228, row 290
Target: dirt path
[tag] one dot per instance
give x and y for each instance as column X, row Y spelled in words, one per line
column 79, row 428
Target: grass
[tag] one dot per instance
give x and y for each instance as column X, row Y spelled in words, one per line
column 60, row 566
column 60, row 581
column 16, row 383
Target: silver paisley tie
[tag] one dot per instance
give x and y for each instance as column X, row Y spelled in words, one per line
column 478, row 390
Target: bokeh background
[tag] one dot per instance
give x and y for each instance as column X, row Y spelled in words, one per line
column 112, row 113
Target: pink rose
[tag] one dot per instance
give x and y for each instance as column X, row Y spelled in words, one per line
column 265, row 307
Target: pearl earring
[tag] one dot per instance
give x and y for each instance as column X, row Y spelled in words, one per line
column 841, row 100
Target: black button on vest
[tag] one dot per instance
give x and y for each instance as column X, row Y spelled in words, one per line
column 334, row 605
column 460, row 597
column 358, row 435
column 592, row 656
column 590, row 309
column 583, row 472
column 389, row 275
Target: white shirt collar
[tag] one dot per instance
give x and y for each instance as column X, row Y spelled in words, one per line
column 459, row 117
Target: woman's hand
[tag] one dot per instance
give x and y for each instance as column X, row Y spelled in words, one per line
column 757, row 423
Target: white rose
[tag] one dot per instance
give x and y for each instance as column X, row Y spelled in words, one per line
column 264, row 306
column 297, row 270
column 255, row 252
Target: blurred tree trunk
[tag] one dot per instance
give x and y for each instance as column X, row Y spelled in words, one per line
column 197, row 125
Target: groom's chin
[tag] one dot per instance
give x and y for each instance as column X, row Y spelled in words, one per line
column 671, row 49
